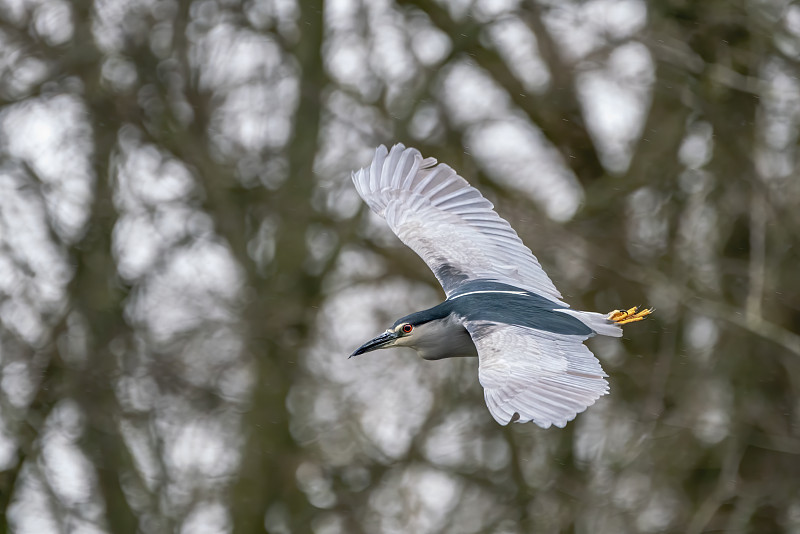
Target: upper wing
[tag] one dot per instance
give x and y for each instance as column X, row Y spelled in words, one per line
column 543, row 377
column 448, row 223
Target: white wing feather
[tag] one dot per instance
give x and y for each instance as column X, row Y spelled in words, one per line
column 544, row 377
column 448, row 223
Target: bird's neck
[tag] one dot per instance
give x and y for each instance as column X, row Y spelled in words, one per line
column 443, row 338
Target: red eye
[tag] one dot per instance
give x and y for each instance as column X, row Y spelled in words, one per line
column 407, row 328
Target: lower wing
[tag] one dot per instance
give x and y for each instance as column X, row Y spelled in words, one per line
column 535, row 375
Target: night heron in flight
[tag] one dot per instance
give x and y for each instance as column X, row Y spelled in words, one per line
column 500, row 305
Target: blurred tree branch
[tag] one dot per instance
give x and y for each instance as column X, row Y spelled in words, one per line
column 556, row 112
column 282, row 312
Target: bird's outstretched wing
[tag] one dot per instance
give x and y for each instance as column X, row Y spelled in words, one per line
column 448, row 223
column 534, row 375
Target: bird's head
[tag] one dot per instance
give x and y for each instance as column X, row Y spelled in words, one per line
column 433, row 333
column 402, row 334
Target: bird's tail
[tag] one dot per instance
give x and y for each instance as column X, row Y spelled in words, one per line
column 609, row 324
column 598, row 322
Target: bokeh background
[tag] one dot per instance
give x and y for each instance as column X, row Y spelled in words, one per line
column 185, row 265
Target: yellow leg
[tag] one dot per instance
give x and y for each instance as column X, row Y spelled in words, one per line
column 631, row 315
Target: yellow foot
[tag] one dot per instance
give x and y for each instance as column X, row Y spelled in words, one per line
column 629, row 316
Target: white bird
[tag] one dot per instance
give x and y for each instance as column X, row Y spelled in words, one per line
column 500, row 306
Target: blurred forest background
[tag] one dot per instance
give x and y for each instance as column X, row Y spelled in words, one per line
column 185, row 265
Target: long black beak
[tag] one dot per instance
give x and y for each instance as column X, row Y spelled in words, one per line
column 376, row 343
